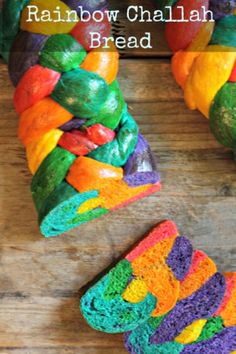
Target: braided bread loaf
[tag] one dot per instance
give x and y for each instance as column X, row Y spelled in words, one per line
column 83, row 147
column 169, row 299
column 204, row 63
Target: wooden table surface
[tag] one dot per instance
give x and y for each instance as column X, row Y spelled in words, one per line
column 41, row 279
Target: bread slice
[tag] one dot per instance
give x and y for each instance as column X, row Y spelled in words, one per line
column 166, row 297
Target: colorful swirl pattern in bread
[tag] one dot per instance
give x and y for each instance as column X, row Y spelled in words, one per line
column 204, row 61
column 167, row 297
column 83, row 147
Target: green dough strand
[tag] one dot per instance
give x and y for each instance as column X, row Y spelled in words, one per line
column 118, row 279
column 117, row 152
column 213, row 326
column 50, row 174
column 111, row 111
column 81, row 92
column 9, row 24
column 62, row 53
column 223, row 115
column 225, row 32
column 154, row 322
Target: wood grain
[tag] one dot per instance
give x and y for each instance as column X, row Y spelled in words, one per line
column 42, row 279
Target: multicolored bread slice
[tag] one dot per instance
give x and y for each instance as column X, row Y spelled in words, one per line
column 166, row 298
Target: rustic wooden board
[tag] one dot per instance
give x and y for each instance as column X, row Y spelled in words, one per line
column 42, row 279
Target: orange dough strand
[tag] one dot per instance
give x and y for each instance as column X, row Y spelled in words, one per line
column 87, row 174
column 40, row 119
column 160, row 280
column 201, row 270
column 160, row 232
column 104, row 62
column 228, row 308
column 112, row 199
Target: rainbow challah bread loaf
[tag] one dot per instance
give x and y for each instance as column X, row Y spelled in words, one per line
column 204, row 62
column 169, row 299
column 83, row 147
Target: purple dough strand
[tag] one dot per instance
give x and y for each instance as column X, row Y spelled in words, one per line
column 222, row 8
column 180, row 257
column 24, row 54
column 222, row 343
column 74, row 123
column 127, row 344
column 201, row 304
column 140, row 169
column 87, row 5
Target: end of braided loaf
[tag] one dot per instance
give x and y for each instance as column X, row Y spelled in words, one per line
column 204, row 62
column 83, row 147
column 167, row 297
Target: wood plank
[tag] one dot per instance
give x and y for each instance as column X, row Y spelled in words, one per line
column 42, row 279
column 58, row 320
